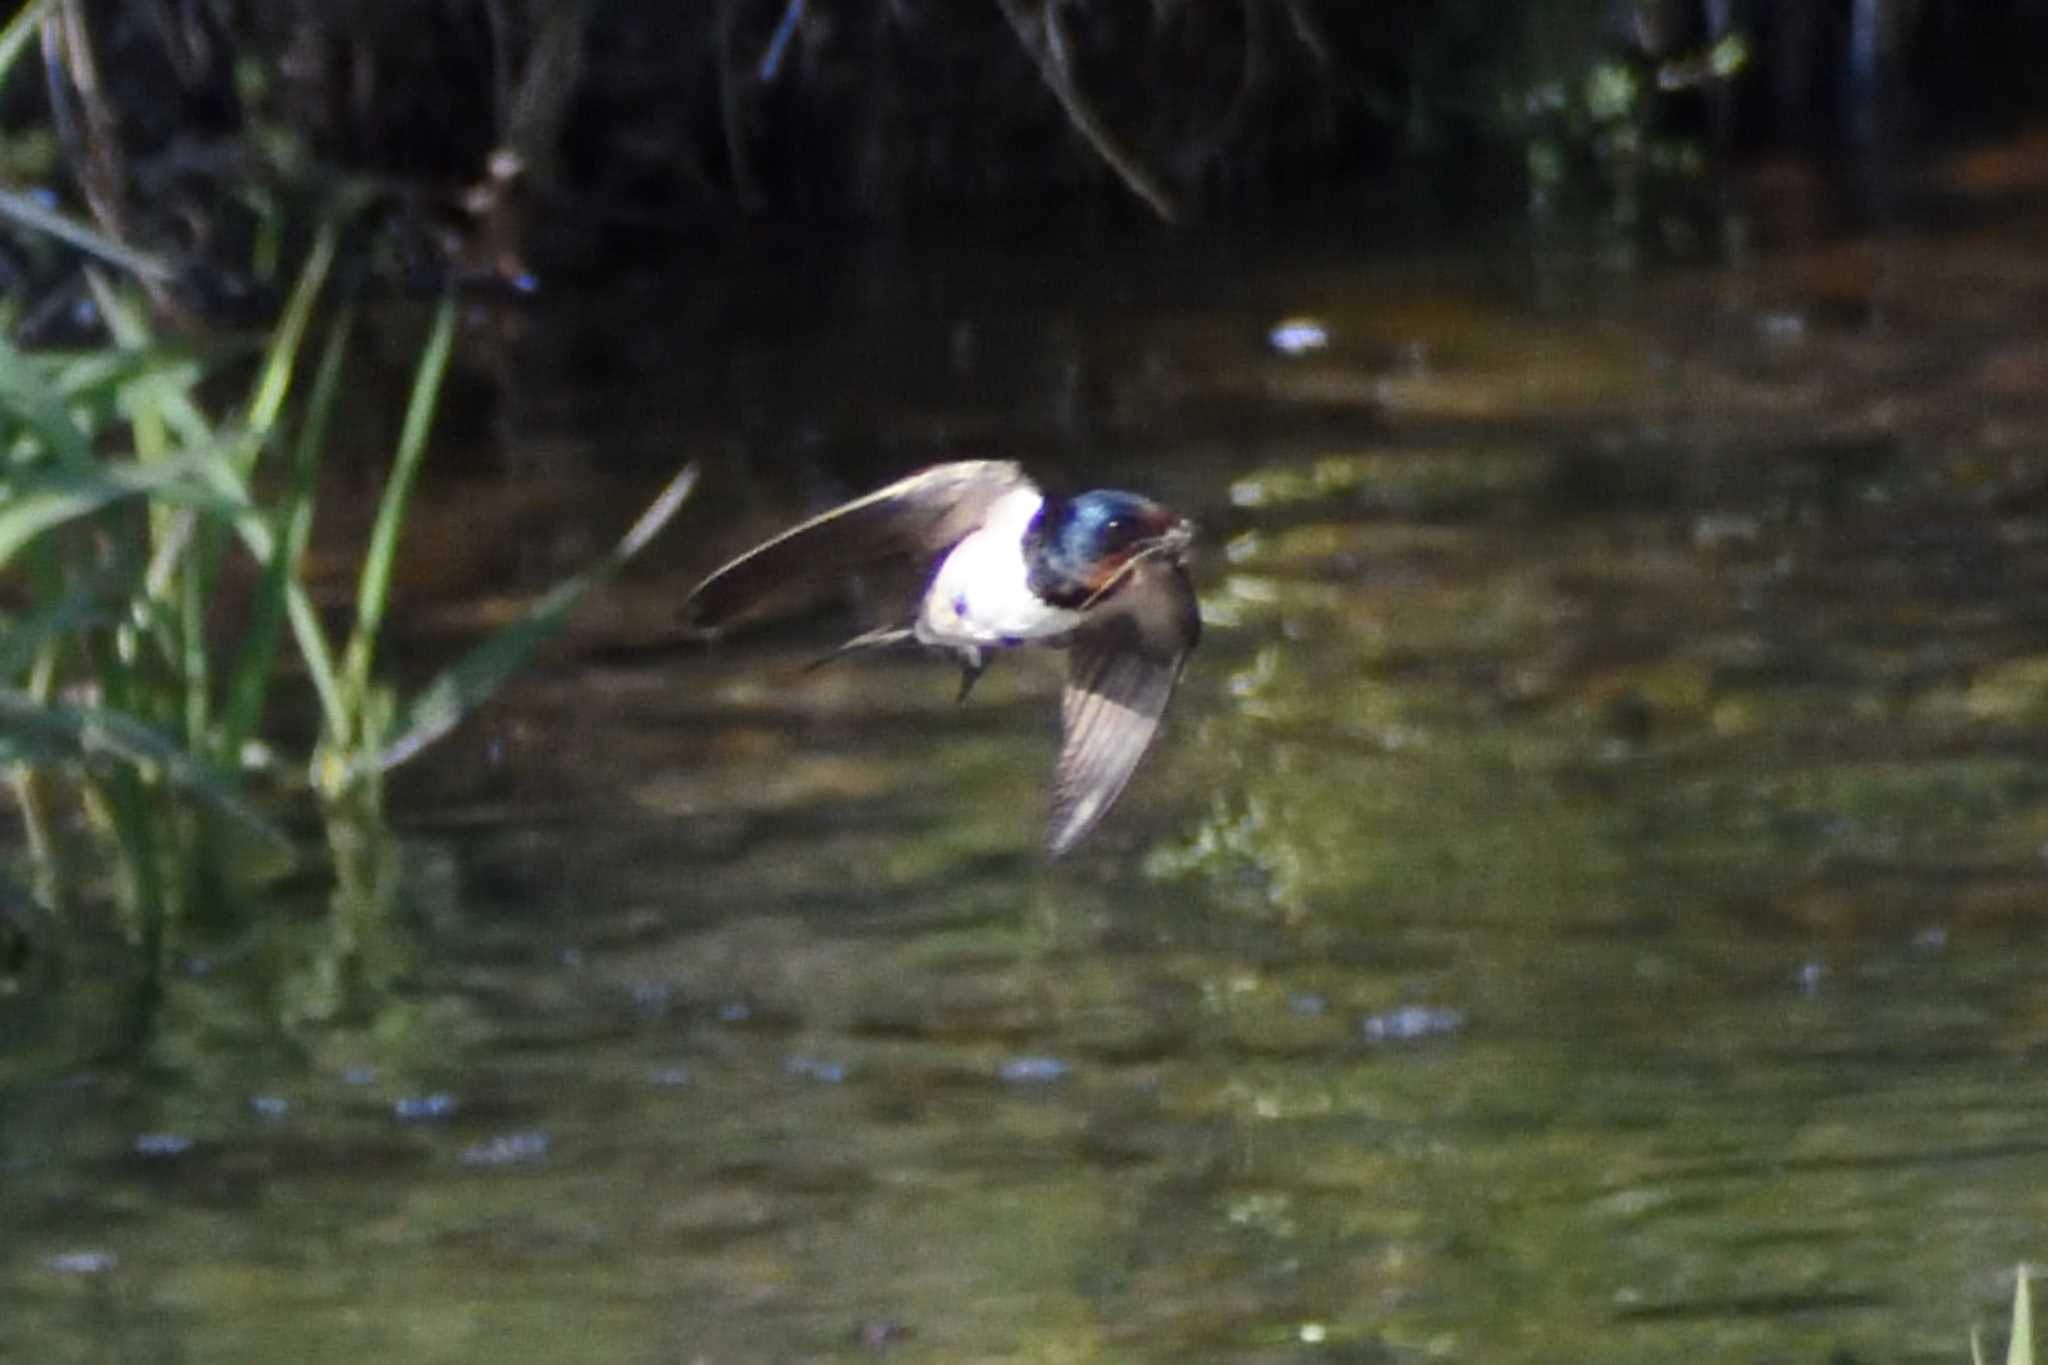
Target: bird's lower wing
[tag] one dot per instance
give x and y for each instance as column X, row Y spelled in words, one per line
column 920, row 515
column 1120, row 676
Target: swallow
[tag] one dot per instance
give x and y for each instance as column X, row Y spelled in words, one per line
column 1101, row 575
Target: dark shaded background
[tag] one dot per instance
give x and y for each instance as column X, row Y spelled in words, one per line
column 498, row 138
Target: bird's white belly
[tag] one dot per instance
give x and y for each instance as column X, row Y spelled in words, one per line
column 982, row 595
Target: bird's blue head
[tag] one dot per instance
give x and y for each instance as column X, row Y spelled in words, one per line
column 1077, row 547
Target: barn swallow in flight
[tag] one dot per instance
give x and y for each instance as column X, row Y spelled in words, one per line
column 1100, row 575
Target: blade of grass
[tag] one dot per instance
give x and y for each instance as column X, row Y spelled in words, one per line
column 35, row 503
column 318, row 657
column 464, row 685
column 20, row 29
column 195, row 665
column 23, row 642
column 91, row 385
column 262, row 543
column 249, row 678
column 131, row 335
column 30, row 213
column 96, row 736
column 127, row 811
column 157, row 395
column 184, row 552
column 187, row 553
column 25, row 395
column 281, row 357
column 383, row 547
column 266, row 402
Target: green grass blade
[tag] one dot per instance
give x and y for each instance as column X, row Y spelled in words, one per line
column 249, row 678
column 156, row 391
column 280, row 358
column 318, row 656
column 19, row 31
column 383, row 547
column 223, row 493
column 127, row 811
column 124, row 321
column 34, row 504
column 93, row 379
column 24, row 209
column 22, row 642
column 186, row 553
column 195, row 664
column 26, row 397
column 155, row 394
column 48, row 731
column 466, row 683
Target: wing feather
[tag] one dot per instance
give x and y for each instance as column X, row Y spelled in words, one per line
column 1120, row 676
column 920, row 515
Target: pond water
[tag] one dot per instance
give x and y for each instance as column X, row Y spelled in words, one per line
column 1587, row 903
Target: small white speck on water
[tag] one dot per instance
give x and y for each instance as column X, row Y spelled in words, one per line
column 81, row 1262
column 162, row 1144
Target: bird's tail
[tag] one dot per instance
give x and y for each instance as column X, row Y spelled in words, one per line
column 972, row 660
column 873, row 639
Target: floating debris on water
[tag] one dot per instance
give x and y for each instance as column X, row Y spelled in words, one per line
column 509, row 1149
column 815, row 1069
column 671, row 1076
column 269, row 1106
column 162, row 1144
column 1033, row 1071
column 81, row 1262
column 425, row 1108
column 1298, row 336
column 1410, row 1022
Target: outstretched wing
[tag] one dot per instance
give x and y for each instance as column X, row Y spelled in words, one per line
column 1120, row 675
column 919, row 515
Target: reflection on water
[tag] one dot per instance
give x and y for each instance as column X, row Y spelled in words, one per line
column 1585, row 905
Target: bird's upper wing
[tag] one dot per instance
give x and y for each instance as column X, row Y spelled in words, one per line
column 1120, row 675
column 920, row 515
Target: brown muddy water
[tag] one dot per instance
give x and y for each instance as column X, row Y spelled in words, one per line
column 1588, row 903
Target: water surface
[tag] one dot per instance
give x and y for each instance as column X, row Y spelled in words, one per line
column 1586, row 904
